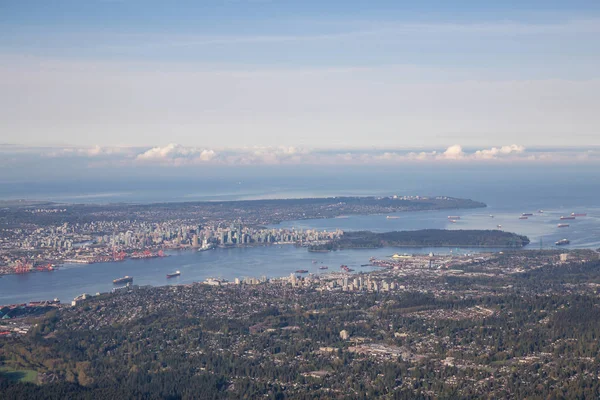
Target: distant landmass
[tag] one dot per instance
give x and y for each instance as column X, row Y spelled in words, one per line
column 425, row 238
column 251, row 212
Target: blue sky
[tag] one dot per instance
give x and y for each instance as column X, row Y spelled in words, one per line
column 201, row 79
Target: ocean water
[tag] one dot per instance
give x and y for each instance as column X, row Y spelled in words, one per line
column 507, row 190
column 500, row 186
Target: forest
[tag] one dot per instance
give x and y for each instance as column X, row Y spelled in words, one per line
column 425, row 238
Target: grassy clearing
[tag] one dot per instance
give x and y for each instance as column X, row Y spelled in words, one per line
column 22, row 375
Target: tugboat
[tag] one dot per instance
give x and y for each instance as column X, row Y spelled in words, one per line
column 125, row 279
column 174, row 274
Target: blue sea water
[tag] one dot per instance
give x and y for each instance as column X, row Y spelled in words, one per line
column 508, row 192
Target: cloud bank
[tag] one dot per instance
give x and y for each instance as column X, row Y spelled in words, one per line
column 177, row 155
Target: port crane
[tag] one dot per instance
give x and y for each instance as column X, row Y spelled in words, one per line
column 22, row 267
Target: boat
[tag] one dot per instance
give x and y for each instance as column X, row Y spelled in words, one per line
column 569, row 217
column 499, row 226
column 578, row 214
column 173, row 274
column 125, row 279
column 391, row 217
column 323, row 267
column 526, row 214
column 562, row 242
column 453, row 221
column 301, row 271
column 491, row 216
column 562, row 225
column 541, row 211
column 455, row 217
column 523, row 217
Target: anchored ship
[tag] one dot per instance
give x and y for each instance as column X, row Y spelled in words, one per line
column 125, row 279
column 522, row 217
column 569, row 217
column 173, row 274
column 562, row 225
column 578, row 214
column 391, row 217
column 562, row 242
column 301, row 271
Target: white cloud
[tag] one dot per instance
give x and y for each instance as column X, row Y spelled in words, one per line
column 457, row 153
column 94, row 151
column 175, row 154
column 496, row 152
column 454, row 152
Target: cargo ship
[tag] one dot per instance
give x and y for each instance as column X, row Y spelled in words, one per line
column 523, row 217
column 562, row 242
column 174, row 274
column 345, row 268
column 323, row 267
column 125, row 279
column 569, row 217
column 562, row 225
column 301, row 271
column 391, row 217
column 526, row 214
column 578, row 214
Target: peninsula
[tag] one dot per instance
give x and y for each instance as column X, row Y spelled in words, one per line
column 424, row 238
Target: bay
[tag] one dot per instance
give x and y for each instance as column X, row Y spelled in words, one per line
column 72, row 280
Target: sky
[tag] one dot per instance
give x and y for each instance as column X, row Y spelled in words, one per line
column 239, row 82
